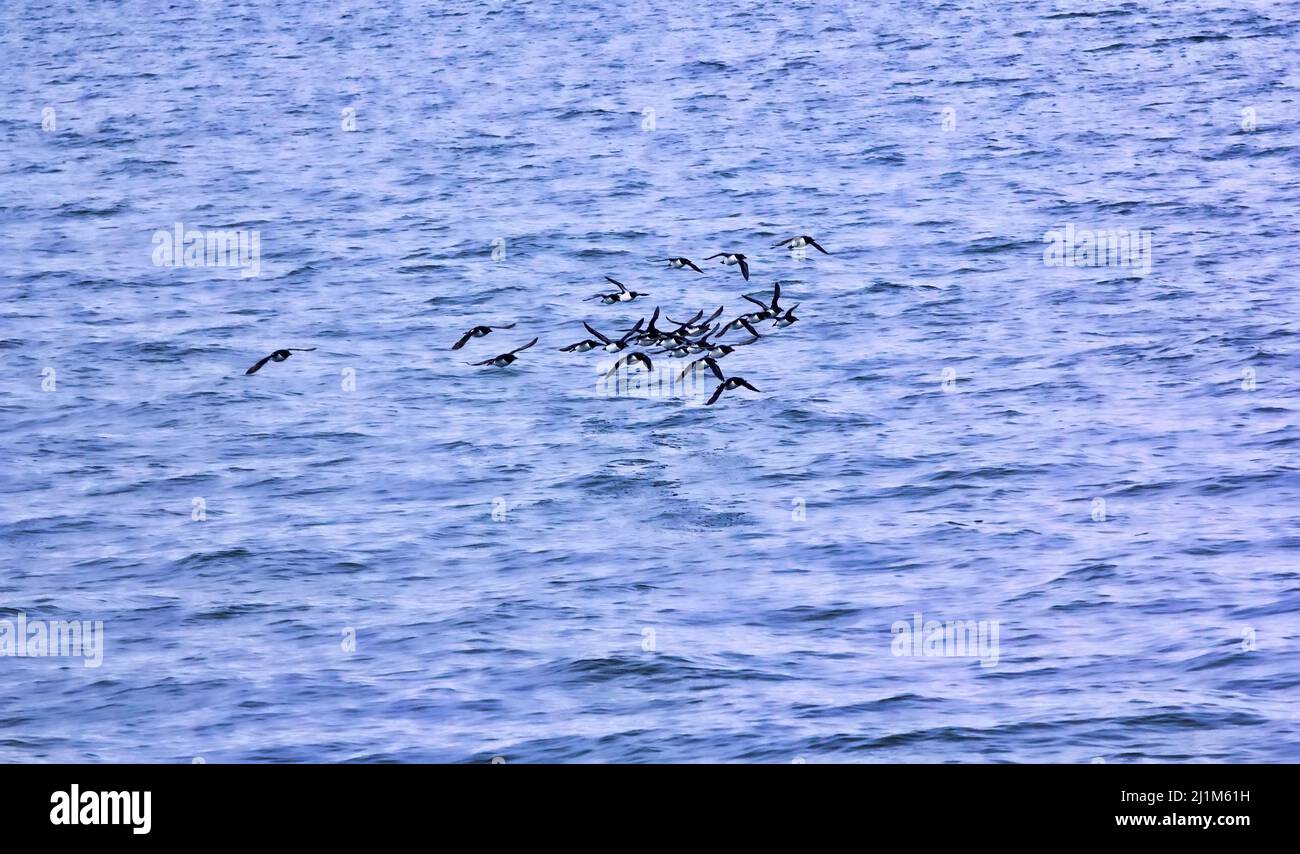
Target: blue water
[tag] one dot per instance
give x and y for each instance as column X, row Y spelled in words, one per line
column 538, row 571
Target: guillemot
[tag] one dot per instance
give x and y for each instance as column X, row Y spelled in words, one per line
column 800, row 241
column 789, row 318
column 677, row 263
column 628, row 360
column 479, row 332
column 730, row 258
column 504, row 359
column 611, row 346
column 623, row 295
column 277, row 356
column 695, row 326
column 709, row 362
column 768, row 311
column 743, row 320
column 729, row 384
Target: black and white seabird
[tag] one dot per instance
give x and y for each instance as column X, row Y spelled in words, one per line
column 729, row 384
column 581, row 346
column 730, row 258
column 610, row 345
column 768, row 311
column 709, row 362
column 479, row 332
column 623, row 295
column 629, row 360
column 652, row 334
column 799, row 242
column 695, row 326
column 504, row 359
column 677, row 263
column 277, row 356
column 787, row 319
column 743, row 320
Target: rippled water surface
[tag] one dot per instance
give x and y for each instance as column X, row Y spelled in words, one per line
column 1101, row 460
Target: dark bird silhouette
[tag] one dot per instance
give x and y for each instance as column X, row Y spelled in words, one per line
column 743, row 320
column 730, row 258
column 277, row 356
column 730, row 384
column 788, row 319
column 629, row 360
column 695, row 325
column 622, row 295
column 677, row 263
column 800, row 241
column 504, row 359
column 479, row 332
column 709, row 362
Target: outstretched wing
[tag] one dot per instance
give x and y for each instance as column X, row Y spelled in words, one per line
column 755, row 301
column 633, row 331
column 594, row 332
column 816, row 245
column 776, row 295
column 691, row 264
column 713, row 366
column 525, row 347
column 783, row 242
column 463, row 339
column 621, row 287
column 744, row 269
column 745, row 383
column 719, row 255
column 717, row 393
column 257, row 367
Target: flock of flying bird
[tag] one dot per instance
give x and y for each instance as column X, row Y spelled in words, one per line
column 694, row 337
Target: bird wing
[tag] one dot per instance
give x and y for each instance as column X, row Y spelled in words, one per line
column 816, row 245
column 744, row 269
column 503, row 326
column 257, row 367
column 719, row 255
column 613, row 370
column 634, row 330
column 301, row 349
column 745, row 383
column 776, row 295
column 783, row 242
column 463, row 339
column 717, row 393
column 713, row 366
column 691, row 264
column 525, row 347
column 594, row 332
column 616, row 282
column 755, row 301
column 748, row 327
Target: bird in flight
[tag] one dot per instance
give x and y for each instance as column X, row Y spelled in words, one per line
column 505, row 358
column 277, row 356
column 479, row 332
